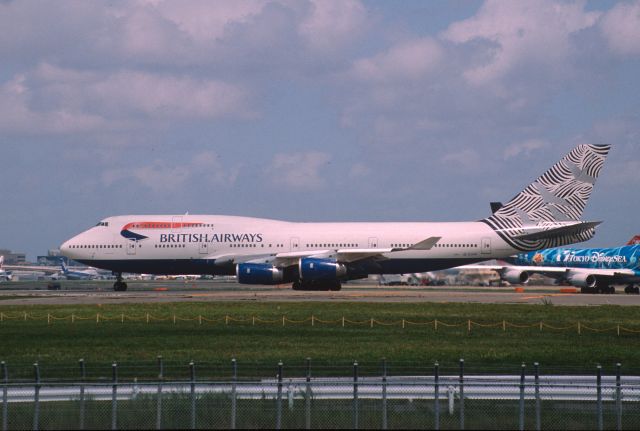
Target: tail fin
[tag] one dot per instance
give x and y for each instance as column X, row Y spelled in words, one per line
column 635, row 240
column 63, row 266
column 553, row 202
column 1, row 261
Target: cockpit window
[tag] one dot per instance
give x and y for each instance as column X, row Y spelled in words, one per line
column 103, row 223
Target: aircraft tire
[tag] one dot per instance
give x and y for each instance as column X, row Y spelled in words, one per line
column 120, row 286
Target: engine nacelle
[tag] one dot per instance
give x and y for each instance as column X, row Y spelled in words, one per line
column 515, row 276
column 320, row 269
column 258, row 273
column 583, row 280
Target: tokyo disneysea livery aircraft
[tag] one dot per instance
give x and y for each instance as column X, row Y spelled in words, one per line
column 594, row 270
column 320, row 256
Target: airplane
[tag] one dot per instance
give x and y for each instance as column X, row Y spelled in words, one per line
column 4, row 274
column 594, row 270
column 320, row 256
column 86, row 274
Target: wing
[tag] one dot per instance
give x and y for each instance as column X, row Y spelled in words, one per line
column 346, row 255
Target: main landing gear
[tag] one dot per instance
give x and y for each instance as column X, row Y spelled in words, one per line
column 119, row 285
column 632, row 289
column 325, row 285
column 603, row 289
column 606, row 289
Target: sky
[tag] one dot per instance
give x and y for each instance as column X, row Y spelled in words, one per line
column 309, row 110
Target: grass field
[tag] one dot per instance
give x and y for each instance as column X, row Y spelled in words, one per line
column 59, row 345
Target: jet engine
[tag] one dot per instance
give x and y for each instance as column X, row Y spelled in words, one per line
column 515, row 276
column 320, row 269
column 258, row 273
column 582, row 279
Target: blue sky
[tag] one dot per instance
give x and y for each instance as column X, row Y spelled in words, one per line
column 308, row 110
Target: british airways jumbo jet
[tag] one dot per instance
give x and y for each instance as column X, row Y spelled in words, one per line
column 320, row 256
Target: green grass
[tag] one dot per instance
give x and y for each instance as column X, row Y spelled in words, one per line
column 258, row 348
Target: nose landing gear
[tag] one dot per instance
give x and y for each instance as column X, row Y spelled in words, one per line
column 119, row 285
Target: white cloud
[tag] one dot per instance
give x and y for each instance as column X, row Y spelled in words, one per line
column 51, row 99
column 161, row 177
column 412, row 60
column 298, row 170
column 520, row 32
column 332, row 24
column 466, row 158
column 526, row 147
column 17, row 114
column 621, row 28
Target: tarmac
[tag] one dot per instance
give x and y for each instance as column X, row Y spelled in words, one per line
column 101, row 292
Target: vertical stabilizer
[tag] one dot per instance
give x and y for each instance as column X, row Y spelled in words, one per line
column 555, row 200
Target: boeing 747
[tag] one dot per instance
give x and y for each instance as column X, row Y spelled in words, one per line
column 320, row 256
column 593, row 270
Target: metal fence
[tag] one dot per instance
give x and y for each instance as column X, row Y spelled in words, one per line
column 525, row 400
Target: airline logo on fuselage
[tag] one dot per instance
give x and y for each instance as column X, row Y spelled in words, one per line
column 210, row 237
column 593, row 257
column 128, row 233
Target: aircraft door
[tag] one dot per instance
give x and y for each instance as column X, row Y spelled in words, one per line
column 132, row 244
column 176, row 224
column 485, row 246
column 373, row 242
column 204, row 247
column 294, row 244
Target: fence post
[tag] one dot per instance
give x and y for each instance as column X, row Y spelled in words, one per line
column 618, row 398
column 5, row 400
column 436, row 396
column 599, row 394
column 279, row 398
column 355, row 395
column 461, row 385
column 384, row 394
column 536, row 368
column 114, row 396
column 308, row 396
column 521, row 424
column 36, row 396
column 159, row 393
column 192, row 372
column 83, row 377
column 234, row 379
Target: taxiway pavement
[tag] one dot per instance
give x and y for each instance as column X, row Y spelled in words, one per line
column 151, row 292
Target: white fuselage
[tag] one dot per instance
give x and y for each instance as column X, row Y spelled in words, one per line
column 210, row 244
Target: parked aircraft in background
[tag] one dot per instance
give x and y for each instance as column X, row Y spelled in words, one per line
column 594, row 270
column 84, row 274
column 319, row 256
column 4, row 275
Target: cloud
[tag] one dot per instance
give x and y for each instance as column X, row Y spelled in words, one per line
column 298, row 170
column 526, row 147
column 412, row 59
column 333, row 24
column 520, row 33
column 161, row 177
column 621, row 28
column 18, row 115
column 51, row 99
column 467, row 158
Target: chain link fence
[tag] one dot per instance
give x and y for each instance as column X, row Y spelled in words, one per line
column 355, row 397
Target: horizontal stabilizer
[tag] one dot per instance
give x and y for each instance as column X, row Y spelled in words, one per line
column 572, row 229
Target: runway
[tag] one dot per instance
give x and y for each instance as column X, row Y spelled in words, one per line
column 100, row 292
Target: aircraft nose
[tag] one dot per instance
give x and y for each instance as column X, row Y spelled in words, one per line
column 64, row 248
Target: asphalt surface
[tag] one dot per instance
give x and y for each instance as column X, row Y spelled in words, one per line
column 101, row 292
